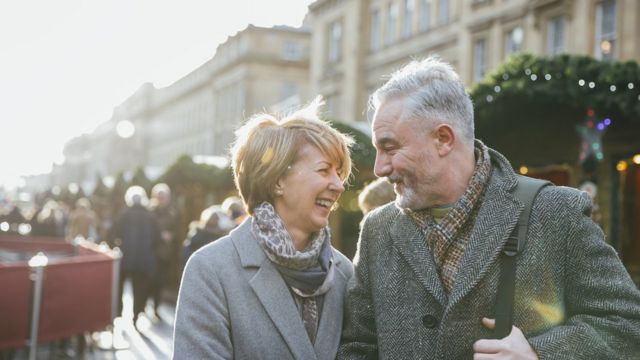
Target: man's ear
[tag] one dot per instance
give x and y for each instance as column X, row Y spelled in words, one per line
column 445, row 139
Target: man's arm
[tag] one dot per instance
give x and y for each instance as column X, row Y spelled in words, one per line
column 602, row 304
column 359, row 331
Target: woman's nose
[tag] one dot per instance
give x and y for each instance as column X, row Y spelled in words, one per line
column 336, row 184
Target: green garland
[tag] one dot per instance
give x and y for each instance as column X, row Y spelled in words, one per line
column 530, row 87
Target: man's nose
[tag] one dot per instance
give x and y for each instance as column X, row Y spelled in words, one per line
column 382, row 166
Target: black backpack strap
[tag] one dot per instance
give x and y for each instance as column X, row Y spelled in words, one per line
column 525, row 191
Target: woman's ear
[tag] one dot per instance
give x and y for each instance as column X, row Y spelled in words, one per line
column 278, row 189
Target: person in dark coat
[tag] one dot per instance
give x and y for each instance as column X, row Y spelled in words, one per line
column 49, row 221
column 214, row 223
column 137, row 233
column 167, row 248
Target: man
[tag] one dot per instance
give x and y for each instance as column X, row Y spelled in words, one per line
column 428, row 266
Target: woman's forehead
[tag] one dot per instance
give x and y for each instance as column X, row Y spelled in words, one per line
column 311, row 153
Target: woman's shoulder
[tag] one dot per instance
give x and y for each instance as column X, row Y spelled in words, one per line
column 219, row 252
column 342, row 262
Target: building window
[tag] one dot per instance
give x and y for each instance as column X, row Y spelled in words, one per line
column 513, row 42
column 479, row 59
column 292, row 51
column 443, row 11
column 605, row 30
column 425, row 15
column 374, row 41
column 407, row 23
column 335, row 41
column 555, row 35
column 392, row 23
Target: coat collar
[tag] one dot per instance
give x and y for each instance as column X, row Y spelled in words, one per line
column 495, row 220
column 275, row 297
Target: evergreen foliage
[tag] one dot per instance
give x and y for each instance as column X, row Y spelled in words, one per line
column 526, row 87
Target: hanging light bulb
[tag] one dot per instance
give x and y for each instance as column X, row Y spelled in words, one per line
column 622, row 166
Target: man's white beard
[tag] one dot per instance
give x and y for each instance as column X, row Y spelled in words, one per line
column 408, row 199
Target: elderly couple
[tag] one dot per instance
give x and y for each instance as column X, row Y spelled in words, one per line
column 427, row 266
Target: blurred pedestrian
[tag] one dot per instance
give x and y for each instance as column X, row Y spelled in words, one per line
column 48, row 221
column 214, row 223
column 592, row 190
column 375, row 194
column 83, row 221
column 275, row 286
column 14, row 218
column 167, row 248
column 235, row 208
column 137, row 233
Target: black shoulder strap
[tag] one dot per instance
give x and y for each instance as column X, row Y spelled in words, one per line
column 525, row 191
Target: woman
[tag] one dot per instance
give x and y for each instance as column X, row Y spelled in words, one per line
column 82, row 221
column 273, row 288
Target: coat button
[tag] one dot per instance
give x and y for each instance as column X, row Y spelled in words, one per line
column 429, row 321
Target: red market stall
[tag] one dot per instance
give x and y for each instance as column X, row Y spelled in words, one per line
column 54, row 289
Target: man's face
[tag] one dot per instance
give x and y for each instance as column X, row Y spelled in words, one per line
column 406, row 154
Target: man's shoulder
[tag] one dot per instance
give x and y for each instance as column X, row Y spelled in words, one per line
column 562, row 197
column 382, row 214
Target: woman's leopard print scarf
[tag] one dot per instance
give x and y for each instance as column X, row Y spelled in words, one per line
column 272, row 235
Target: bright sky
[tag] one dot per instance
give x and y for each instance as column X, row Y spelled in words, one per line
column 65, row 64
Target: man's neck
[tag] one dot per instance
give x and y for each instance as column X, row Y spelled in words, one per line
column 460, row 175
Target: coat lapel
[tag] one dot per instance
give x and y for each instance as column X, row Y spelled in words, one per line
column 411, row 243
column 330, row 327
column 496, row 219
column 278, row 303
column 273, row 293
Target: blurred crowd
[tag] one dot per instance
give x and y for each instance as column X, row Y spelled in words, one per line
column 146, row 230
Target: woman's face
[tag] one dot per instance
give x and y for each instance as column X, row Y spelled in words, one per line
column 307, row 192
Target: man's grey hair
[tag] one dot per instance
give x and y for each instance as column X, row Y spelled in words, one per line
column 433, row 92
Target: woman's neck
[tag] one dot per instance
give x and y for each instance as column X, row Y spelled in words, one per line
column 300, row 239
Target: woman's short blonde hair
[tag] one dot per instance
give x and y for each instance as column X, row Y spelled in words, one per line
column 266, row 146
